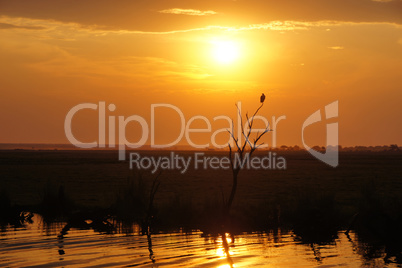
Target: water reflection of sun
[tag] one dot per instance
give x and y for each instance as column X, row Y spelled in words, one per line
column 220, row 250
column 225, row 266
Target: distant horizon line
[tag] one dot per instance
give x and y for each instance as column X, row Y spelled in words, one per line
column 11, row 146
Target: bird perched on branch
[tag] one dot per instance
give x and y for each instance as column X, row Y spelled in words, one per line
column 262, row 98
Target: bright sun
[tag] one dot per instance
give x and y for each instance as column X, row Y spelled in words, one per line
column 225, row 52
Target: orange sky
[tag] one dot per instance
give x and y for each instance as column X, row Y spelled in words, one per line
column 302, row 54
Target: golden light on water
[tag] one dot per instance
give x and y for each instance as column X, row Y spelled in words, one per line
column 220, row 251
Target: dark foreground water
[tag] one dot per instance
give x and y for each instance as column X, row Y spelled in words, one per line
column 38, row 244
column 315, row 203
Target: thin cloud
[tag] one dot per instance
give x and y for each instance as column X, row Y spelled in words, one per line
column 69, row 31
column 190, row 12
column 12, row 26
column 136, row 15
column 273, row 26
column 336, row 48
column 279, row 26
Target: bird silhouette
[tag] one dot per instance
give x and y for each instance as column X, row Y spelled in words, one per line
column 262, row 98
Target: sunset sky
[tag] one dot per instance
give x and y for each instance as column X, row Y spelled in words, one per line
column 202, row 57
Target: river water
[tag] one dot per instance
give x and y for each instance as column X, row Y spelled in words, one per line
column 38, row 244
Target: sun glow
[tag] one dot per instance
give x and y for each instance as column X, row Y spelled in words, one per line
column 226, row 52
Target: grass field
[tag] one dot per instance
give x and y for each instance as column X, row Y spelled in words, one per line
column 97, row 180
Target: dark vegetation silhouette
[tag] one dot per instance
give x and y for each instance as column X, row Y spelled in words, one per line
column 243, row 150
column 13, row 214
